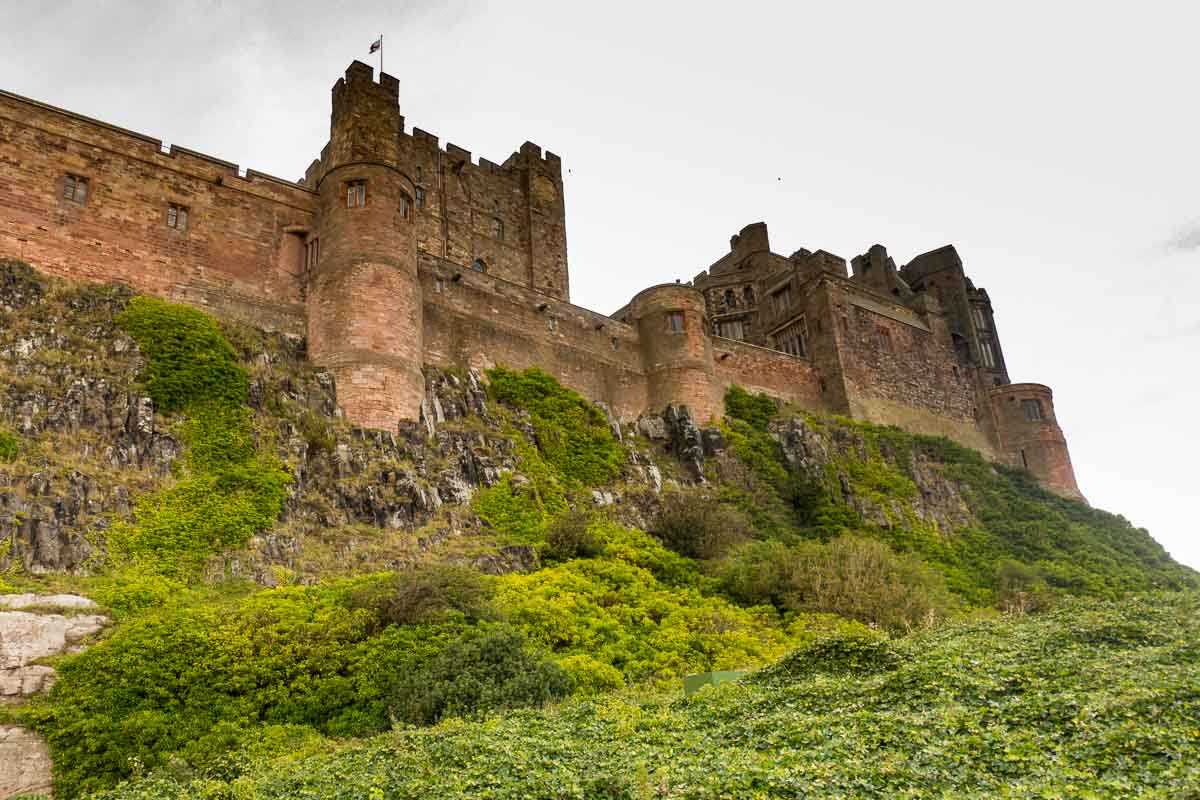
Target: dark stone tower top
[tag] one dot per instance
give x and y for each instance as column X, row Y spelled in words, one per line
column 365, row 124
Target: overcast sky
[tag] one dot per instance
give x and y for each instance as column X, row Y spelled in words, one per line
column 1054, row 144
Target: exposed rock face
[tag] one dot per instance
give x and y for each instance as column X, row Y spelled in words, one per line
column 809, row 451
column 67, row 381
column 687, row 443
column 27, row 637
column 32, row 629
column 25, row 767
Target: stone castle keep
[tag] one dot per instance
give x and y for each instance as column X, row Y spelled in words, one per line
column 394, row 252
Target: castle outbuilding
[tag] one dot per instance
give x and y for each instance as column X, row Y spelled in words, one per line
column 394, row 252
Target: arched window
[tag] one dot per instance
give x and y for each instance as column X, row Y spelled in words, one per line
column 730, row 299
column 478, row 265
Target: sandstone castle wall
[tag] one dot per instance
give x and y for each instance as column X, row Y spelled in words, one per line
column 393, row 252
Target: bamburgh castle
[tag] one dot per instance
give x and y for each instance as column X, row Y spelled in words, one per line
column 394, row 252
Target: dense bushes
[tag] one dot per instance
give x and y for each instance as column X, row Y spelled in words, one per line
column 485, row 669
column 188, row 683
column 618, row 614
column 1017, row 708
column 570, row 536
column 1063, row 546
column 697, row 526
column 425, row 594
column 851, row 576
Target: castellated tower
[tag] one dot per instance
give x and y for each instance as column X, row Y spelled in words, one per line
column 1030, row 436
column 364, row 298
column 676, row 348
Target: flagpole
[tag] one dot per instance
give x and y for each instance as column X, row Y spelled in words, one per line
column 381, row 54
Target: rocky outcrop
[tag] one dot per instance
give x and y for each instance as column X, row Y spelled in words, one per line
column 34, row 628
column 811, row 452
column 25, row 767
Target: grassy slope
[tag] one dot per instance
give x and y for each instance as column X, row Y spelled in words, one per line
column 1091, row 700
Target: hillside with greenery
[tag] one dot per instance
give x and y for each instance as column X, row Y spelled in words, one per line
column 1091, row 700
column 924, row 623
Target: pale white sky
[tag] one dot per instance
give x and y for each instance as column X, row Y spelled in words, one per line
column 1054, row 143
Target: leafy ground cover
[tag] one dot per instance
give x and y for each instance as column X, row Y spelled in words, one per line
column 1094, row 699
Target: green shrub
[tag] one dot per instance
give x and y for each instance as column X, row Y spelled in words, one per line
column 1020, row 589
column 570, row 536
column 9, row 446
column 486, row 669
column 185, row 684
column 696, row 525
column 754, row 409
column 854, row 577
column 317, row 433
column 618, row 614
column 572, row 434
column 425, row 594
column 188, row 359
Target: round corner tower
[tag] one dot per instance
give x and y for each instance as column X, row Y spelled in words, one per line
column 676, row 349
column 1030, row 436
column 364, row 297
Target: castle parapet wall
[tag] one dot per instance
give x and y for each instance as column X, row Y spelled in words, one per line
column 240, row 251
column 480, row 320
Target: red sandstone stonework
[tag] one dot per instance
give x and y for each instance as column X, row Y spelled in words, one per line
column 442, row 259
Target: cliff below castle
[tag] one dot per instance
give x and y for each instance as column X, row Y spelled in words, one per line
column 278, row 578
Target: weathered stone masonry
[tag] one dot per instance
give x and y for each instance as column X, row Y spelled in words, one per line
column 394, row 252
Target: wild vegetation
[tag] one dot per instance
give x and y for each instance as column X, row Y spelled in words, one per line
column 1093, row 699
column 894, row 672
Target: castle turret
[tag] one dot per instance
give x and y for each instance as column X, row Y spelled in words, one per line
column 364, row 298
column 676, row 349
column 1030, row 437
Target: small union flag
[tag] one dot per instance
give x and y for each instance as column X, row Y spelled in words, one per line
column 378, row 43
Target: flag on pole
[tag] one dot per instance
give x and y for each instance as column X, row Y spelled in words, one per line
column 375, row 45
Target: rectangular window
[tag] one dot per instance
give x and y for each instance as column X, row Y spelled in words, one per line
column 177, row 216
column 1032, row 410
column 793, row 339
column 356, row 194
column 405, row 205
column 979, row 318
column 75, row 189
column 312, row 254
column 782, row 300
column 885, row 340
column 734, row 329
column 498, row 228
column 986, row 354
column 675, row 321
column 420, row 197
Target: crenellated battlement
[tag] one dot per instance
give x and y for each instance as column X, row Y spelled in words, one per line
column 94, row 133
